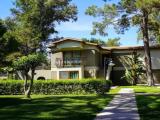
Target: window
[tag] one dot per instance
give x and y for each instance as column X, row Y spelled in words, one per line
column 69, row 74
column 71, row 58
column 72, row 54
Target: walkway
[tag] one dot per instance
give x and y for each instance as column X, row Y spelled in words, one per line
column 122, row 107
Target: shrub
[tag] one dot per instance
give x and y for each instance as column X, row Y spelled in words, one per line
column 56, row 87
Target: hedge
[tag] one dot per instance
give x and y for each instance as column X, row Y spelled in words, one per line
column 56, row 87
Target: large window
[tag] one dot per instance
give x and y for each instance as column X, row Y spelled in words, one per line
column 71, row 58
column 72, row 54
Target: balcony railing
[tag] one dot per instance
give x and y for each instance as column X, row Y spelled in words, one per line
column 68, row 62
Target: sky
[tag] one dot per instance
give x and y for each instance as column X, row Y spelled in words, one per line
column 83, row 26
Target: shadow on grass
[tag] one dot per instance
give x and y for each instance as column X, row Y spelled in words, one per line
column 149, row 106
column 52, row 107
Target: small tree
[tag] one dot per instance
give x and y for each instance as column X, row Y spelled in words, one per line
column 133, row 67
column 27, row 63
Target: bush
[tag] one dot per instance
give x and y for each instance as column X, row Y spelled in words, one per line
column 56, row 87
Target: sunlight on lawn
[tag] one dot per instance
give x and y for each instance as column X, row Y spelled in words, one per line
column 40, row 107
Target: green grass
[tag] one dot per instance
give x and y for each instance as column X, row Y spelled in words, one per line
column 144, row 89
column 114, row 91
column 148, row 107
column 41, row 107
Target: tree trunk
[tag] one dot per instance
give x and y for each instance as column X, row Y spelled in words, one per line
column 25, row 82
column 28, row 92
column 148, row 64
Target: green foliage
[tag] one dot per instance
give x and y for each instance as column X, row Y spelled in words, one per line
column 30, row 61
column 113, row 42
column 94, row 40
column 110, row 42
column 124, row 14
column 3, row 30
column 9, row 47
column 144, row 14
column 133, row 67
column 36, row 20
column 88, row 86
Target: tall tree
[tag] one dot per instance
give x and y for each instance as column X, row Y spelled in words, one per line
column 36, row 21
column 123, row 15
column 8, row 44
column 3, row 30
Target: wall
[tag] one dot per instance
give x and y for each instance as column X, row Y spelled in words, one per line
column 53, row 58
column 42, row 73
column 69, row 44
column 38, row 73
column 155, row 57
column 91, row 63
column 118, row 69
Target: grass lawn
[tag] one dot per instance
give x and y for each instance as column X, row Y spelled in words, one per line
column 43, row 107
column 148, row 105
column 144, row 89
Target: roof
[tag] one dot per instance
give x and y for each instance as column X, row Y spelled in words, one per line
column 102, row 47
column 73, row 39
column 130, row 47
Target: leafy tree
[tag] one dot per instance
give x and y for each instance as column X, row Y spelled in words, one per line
column 110, row 42
column 3, row 30
column 9, row 46
column 125, row 14
column 113, row 42
column 94, row 40
column 27, row 63
column 36, row 21
column 133, row 67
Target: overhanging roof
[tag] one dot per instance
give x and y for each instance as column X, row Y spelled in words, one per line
column 72, row 39
column 130, row 47
column 54, row 43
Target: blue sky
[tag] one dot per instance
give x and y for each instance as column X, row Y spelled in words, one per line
column 83, row 26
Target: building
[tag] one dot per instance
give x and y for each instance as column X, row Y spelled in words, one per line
column 76, row 59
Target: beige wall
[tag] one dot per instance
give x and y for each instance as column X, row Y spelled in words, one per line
column 69, row 44
column 42, row 73
column 155, row 57
column 90, row 57
column 118, row 69
column 53, row 58
column 54, row 75
column 57, row 71
column 91, row 72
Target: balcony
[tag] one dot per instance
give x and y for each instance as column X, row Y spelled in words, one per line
column 68, row 62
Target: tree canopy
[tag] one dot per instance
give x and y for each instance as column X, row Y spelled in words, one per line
column 36, row 20
column 125, row 14
column 31, row 24
column 113, row 42
column 108, row 43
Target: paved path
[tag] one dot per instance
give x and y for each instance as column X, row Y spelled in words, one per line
column 122, row 107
